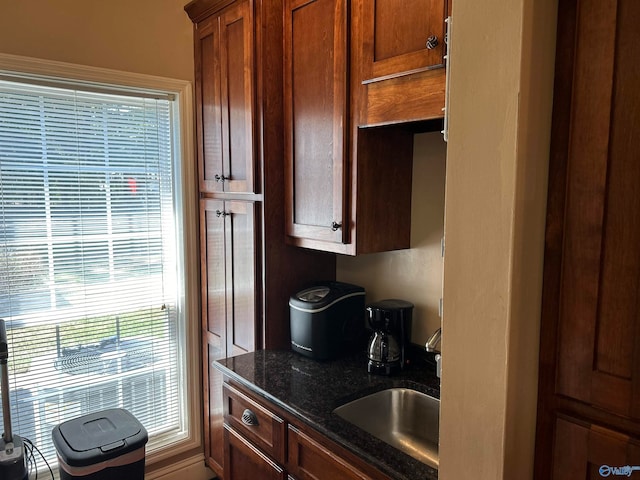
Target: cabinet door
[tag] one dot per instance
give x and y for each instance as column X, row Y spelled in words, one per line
column 243, row 461
column 237, row 96
column 308, row 460
column 241, row 297
column 208, row 100
column 402, row 37
column 590, row 325
column 213, row 274
column 316, row 119
column 228, row 278
column 589, row 451
column 599, row 289
column 213, row 281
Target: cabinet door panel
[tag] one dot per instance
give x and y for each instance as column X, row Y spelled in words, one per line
column 209, row 111
column 243, row 461
column 213, row 280
column 241, row 276
column 582, row 450
column 599, row 333
column 396, row 36
column 315, row 118
column 237, row 98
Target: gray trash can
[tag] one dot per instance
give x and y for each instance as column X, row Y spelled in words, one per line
column 101, row 446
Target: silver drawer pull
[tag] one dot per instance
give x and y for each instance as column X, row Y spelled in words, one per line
column 249, row 418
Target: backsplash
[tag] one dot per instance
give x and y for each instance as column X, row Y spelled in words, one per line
column 415, row 274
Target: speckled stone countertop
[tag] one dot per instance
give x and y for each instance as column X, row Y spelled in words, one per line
column 310, row 390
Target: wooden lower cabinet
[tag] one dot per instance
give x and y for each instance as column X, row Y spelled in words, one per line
column 228, row 282
column 261, row 442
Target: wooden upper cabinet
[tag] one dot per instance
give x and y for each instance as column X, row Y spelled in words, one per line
column 397, row 60
column 225, row 99
column 402, row 37
column 316, row 119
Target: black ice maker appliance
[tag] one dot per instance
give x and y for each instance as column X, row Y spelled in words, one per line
column 327, row 320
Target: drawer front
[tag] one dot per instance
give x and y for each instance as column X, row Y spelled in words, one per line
column 243, row 461
column 308, row 460
column 258, row 424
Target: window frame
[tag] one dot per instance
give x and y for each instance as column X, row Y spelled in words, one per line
column 53, row 73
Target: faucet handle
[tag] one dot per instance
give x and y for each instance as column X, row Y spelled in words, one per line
column 438, row 358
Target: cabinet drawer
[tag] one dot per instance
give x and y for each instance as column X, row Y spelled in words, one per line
column 259, row 425
column 308, row 460
column 244, row 461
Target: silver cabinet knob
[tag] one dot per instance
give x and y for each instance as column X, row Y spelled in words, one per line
column 432, row 42
column 249, row 418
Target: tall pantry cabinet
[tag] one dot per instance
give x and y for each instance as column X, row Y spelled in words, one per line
column 247, row 270
column 589, row 388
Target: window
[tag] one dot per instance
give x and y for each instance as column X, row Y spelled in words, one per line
column 92, row 266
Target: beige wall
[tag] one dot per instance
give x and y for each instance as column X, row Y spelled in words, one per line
column 497, row 158
column 414, row 274
column 142, row 36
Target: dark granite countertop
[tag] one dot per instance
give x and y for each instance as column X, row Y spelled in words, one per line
column 309, row 390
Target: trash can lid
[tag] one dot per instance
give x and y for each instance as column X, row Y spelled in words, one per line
column 98, row 437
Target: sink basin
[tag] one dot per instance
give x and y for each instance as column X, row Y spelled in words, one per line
column 405, row 419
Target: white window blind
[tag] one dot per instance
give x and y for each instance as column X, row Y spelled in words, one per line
column 88, row 274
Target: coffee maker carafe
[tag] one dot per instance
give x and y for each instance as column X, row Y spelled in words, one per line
column 389, row 342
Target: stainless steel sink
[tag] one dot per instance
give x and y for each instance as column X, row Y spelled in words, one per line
column 403, row 418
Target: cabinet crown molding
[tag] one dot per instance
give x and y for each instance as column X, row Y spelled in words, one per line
column 198, row 10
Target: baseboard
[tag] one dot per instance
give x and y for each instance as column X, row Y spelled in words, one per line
column 192, row 468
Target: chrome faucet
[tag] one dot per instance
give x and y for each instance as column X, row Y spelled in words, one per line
column 430, row 346
column 434, row 341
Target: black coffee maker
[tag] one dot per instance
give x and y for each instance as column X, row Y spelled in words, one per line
column 389, row 343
